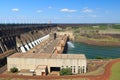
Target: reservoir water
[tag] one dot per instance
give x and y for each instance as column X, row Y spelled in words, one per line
column 93, row 51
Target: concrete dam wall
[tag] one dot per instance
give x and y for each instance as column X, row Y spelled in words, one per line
column 14, row 36
column 22, row 37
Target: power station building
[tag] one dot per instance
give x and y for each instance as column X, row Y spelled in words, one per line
column 46, row 57
column 41, row 64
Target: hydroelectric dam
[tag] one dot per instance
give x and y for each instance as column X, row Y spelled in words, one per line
column 38, row 49
column 21, row 37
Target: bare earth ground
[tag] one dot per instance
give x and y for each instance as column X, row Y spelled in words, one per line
column 94, row 64
column 104, row 76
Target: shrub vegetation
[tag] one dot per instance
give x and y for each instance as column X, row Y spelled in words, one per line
column 14, row 70
column 66, row 71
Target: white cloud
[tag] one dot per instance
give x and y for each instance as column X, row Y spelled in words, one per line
column 87, row 10
column 39, row 11
column 67, row 10
column 50, row 7
column 15, row 9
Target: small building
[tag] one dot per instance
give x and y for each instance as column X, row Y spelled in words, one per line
column 43, row 64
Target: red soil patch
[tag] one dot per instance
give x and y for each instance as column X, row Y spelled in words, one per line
column 104, row 76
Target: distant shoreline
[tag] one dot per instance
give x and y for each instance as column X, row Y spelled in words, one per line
column 99, row 43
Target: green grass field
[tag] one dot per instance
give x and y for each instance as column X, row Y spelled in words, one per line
column 115, row 72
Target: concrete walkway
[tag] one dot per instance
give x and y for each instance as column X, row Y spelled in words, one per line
column 49, row 47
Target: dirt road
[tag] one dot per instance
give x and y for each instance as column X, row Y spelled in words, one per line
column 104, row 76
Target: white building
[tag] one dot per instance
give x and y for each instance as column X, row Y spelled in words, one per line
column 48, row 62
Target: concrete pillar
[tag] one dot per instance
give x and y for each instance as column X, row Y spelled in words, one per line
column 12, row 42
column 3, row 50
column 22, row 49
column 81, row 69
column 4, row 45
column 48, row 69
column 36, row 42
column 27, row 47
column 30, row 44
column 76, row 69
column 84, row 69
column 33, row 44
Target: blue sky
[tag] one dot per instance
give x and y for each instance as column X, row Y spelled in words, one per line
column 60, row 11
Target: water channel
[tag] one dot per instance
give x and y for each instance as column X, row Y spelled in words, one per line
column 93, row 51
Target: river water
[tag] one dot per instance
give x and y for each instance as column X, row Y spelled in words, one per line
column 93, row 51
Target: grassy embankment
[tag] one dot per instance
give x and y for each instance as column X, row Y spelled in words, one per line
column 115, row 72
column 93, row 35
column 91, row 32
column 108, row 39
